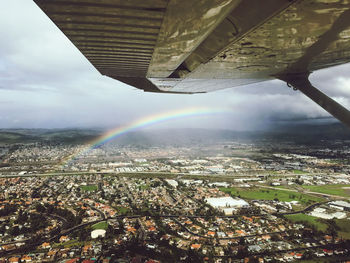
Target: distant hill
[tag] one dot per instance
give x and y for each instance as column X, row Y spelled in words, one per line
column 71, row 136
column 299, row 133
column 310, row 132
column 7, row 137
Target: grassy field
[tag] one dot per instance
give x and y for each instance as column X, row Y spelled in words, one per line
column 88, row 188
column 308, row 219
column 270, row 194
column 344, row 228
column 333, row 259
column 295, row 171
column 144, row 187
column 101, row 225
column 121, row 210
column 68, row 244
column 282, row 186
column 332, row 189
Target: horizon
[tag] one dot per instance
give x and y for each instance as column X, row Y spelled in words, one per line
column 330, row 121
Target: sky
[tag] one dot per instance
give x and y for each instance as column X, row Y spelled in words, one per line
column 45, row 82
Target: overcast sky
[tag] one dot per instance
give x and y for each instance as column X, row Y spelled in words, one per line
column 45, row 82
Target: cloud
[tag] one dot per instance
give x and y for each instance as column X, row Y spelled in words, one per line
column 46, row 82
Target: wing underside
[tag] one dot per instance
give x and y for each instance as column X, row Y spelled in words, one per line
column 200, row 46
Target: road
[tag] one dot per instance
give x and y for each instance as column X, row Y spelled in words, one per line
column 103, row 216
column 206, row 176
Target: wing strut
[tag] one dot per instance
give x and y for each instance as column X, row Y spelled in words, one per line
column 300, row 81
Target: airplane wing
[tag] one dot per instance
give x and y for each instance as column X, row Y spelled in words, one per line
column 198, row 46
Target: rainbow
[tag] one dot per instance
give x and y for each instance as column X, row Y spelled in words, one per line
column 145, row 122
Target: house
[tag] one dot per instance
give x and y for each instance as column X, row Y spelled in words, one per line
column 86, row 248
column 64, row 239
column 211, row 233
column 26, row 259
column 131, row 229
column 328, row 238
column 266, row 237
column 328, row 252
column 51, row 253
column 152, row 229
column 45, row 245
column 319, row 254
column 14, row 260
column 254, row 248
column 195, row 246
column 289, row 256
column 282, row 227
column 241, row 232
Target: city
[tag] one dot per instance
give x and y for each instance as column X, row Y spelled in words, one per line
column 167, row 131
column 233, row 200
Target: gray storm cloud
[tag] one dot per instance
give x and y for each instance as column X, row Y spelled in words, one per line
column 46, row 82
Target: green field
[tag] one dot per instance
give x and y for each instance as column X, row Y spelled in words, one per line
column 144, row 187
column 101, row 225
column 68, row 244
column 282, row 187
column 308, row 219
column 319, row 260
column 344, row 228
column 88, row 188
column 332, row 189
column 295, row 171
column 122, row 210
column 270, row 194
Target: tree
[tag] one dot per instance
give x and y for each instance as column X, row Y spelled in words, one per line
column 254, row 260
column 22, row 217
column 40, row 208
column 307, row 255
column 242, row 252
column 14, row 231
column 241, row 241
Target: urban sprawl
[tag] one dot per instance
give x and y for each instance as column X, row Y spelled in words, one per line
column 228, row 202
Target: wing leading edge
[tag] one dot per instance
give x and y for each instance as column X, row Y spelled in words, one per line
column 172, row 46
column 200, row 46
